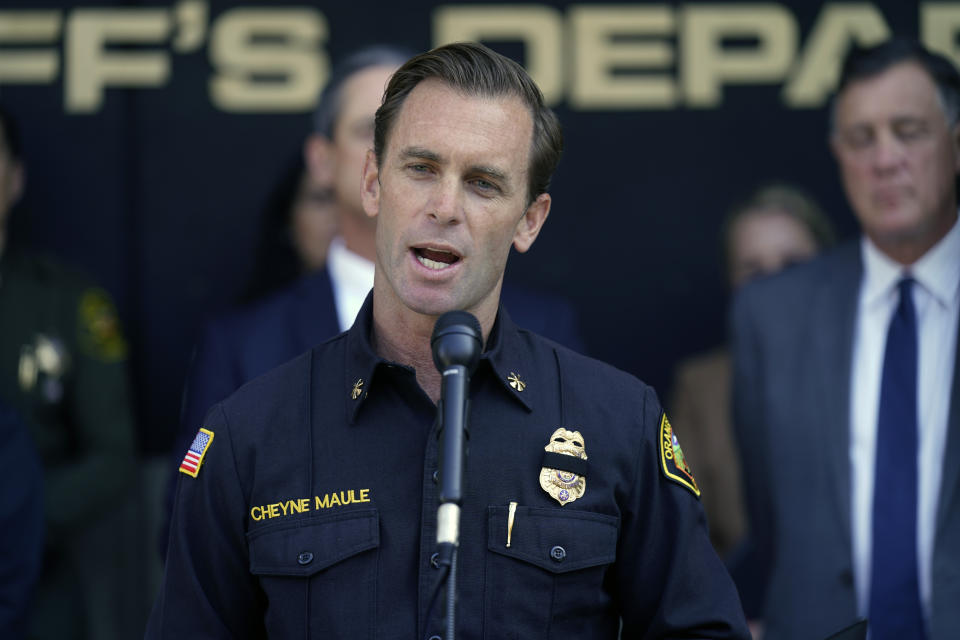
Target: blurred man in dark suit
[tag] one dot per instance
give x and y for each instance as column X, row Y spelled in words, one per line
column 847, row 399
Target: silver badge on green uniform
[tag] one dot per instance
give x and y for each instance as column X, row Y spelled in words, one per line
column 44, row 362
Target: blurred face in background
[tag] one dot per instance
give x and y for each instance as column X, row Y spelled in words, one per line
column 313, row 222
column 353, row 133
column 11, row 181
column 898, row 158
column 763, row 241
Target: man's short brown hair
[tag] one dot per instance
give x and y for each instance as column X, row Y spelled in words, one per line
column 473, row 69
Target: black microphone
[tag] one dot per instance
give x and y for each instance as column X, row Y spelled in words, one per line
column 456, row 344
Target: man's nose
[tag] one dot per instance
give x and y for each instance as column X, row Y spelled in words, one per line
column 888, row 153
column 446, row 202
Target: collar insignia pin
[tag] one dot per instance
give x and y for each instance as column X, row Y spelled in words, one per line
column 516, row 382
column 563, row 485
column 357, row 389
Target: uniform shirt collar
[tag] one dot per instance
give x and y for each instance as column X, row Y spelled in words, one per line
column 361, row 360
column 503, row 357
column 505, row 354
column 937, row 271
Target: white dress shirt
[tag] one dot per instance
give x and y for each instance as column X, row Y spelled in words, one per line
column 352, row 277
column 936, row 297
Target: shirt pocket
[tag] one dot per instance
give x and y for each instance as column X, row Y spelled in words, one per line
column 550, row 580
column 319, row 572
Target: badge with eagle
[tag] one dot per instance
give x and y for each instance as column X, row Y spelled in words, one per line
column 567, row 483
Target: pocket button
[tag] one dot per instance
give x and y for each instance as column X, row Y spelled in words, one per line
column 558, row 553
column 305, row 557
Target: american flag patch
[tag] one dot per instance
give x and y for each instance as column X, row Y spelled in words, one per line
column 194, row 458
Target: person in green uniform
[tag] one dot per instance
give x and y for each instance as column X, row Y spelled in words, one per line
column 63, row 370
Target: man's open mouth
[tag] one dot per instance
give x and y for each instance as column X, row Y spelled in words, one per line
column 435, row 259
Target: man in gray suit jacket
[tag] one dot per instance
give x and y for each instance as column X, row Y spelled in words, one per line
column 846, row 394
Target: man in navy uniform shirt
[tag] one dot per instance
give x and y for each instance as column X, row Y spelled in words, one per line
column 309, row 500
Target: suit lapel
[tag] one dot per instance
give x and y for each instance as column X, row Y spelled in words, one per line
column 835, row 312
column 951, row 457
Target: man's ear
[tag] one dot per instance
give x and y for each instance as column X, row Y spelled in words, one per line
column 833, row 142
column 318, row 157
column 16, row 176
column 370, row 185
column 955, row 139
column 532, row 221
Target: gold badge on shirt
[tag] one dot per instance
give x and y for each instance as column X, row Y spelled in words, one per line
column 564, row 485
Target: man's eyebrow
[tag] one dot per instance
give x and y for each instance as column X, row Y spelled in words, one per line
column 419, row 153
column 491, row 172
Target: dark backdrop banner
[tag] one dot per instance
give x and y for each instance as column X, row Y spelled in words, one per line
column 154, row 131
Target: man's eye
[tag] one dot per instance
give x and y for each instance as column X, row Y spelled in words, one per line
column 910, row 129
column 485, row 186
column 858, row 138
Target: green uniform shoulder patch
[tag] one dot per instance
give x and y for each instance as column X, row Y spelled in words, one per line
column 674, row 465
column 99, row 327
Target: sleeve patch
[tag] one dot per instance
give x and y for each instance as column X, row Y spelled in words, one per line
column 196, row 453
column 674, row 465
column 99, row 327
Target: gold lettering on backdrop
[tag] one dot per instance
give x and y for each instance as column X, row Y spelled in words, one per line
column 599, row 54
column 90, row 68
column 707, row 65
column 191, row 18
column 31, row 65
column 266, row 59
column 539, row 27
column 296, row 65
column 939, row 24
column 836, row 29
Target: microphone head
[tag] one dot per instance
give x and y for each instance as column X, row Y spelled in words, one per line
column 456, row 340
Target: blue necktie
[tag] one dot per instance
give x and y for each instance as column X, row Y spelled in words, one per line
column 895, row 611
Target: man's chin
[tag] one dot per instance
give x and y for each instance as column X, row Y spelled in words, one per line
column 432, row 303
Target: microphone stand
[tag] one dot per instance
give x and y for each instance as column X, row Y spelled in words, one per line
column 456, row 345
column 455, row 383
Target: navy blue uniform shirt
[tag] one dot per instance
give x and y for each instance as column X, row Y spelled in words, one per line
column 313, row 510
column 239, row 346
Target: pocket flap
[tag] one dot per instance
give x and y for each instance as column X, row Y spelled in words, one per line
column 310, row 545
column 554, row 540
